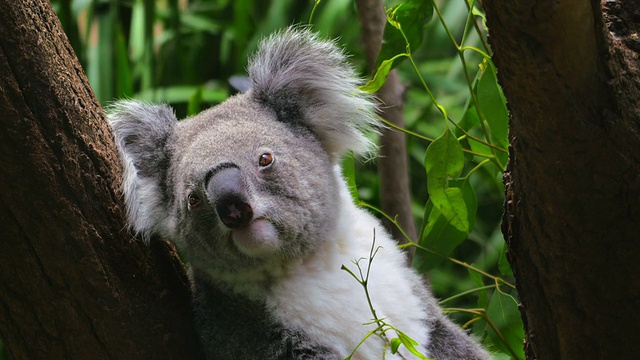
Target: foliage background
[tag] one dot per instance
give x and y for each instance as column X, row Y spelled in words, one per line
column 186, row 53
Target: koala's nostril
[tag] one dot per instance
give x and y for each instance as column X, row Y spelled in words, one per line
column 227, row 192
column 234, row 212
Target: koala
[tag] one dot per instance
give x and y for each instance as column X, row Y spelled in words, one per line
column 251, row 192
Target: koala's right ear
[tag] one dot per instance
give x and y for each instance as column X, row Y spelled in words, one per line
column 143, row 136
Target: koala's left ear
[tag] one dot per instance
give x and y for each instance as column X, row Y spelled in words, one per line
column 143, row 137
column 307, row 81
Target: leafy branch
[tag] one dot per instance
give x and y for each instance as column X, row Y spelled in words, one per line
column 382, row 327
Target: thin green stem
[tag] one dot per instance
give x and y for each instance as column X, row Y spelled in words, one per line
column 369, row 334
column 393, row 220
column 483, row 314
column 465, row 293
column 406, row 131
column 465, row 32
column 364, row 281
column 477, row 139
column 443, row 111
column 475, row 49
column 410, row 242
column 461, row 49
column 444, row 24
column 313, row 11
column 474, row 98
column 468, row 266
column 475, row 168
column 422, row 137
column 470, row 6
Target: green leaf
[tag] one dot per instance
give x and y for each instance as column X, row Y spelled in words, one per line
column 379, row 79
column 483, row 295
column 503, row 263
column 395, row 344
column 480, row 327
column 444, row 161
column 481, row 15
column 439, row 235
column 411, row 16
column 503, row 311
column 469, row 120
column 349, row 173
column 493, row 104
column 408, row 343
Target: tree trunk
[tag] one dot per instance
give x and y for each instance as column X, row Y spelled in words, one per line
column 393, row 168
column 73, row 282
column 571, row 78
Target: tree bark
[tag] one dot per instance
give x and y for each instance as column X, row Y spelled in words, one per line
column 571, row 78
column 393, row 169
column 74, row 284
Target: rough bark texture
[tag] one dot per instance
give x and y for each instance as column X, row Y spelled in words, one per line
column 393, row 168
column 73, row 282
column 570, row 74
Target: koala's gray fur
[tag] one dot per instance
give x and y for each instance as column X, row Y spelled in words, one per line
column 250, row 190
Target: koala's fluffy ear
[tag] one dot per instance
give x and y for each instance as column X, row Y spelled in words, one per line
column 142, row 134
column 308, row 81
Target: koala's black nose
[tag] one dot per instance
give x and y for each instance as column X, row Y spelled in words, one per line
column 234, row 212
column 227, row 192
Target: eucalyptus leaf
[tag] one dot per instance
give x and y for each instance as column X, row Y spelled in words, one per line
column 503, row 312
column 439, row 236
column 379, row 79
column 409, row 18
column 444, row 161
column 503, row 263
column 395, row 344
column 483, row 295
column 349, row 173
column 493, row 104
column 410, row 345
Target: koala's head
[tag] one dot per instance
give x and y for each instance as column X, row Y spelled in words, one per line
column 252, row 180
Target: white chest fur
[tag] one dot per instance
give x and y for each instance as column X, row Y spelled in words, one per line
column 329, row 305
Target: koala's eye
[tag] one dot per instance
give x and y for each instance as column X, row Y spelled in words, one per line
column 193, row 200
column 265, row 160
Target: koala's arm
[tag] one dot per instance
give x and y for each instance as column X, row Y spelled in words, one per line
column 232, row 327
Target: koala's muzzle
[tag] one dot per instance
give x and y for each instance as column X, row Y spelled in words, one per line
column 226, row 192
